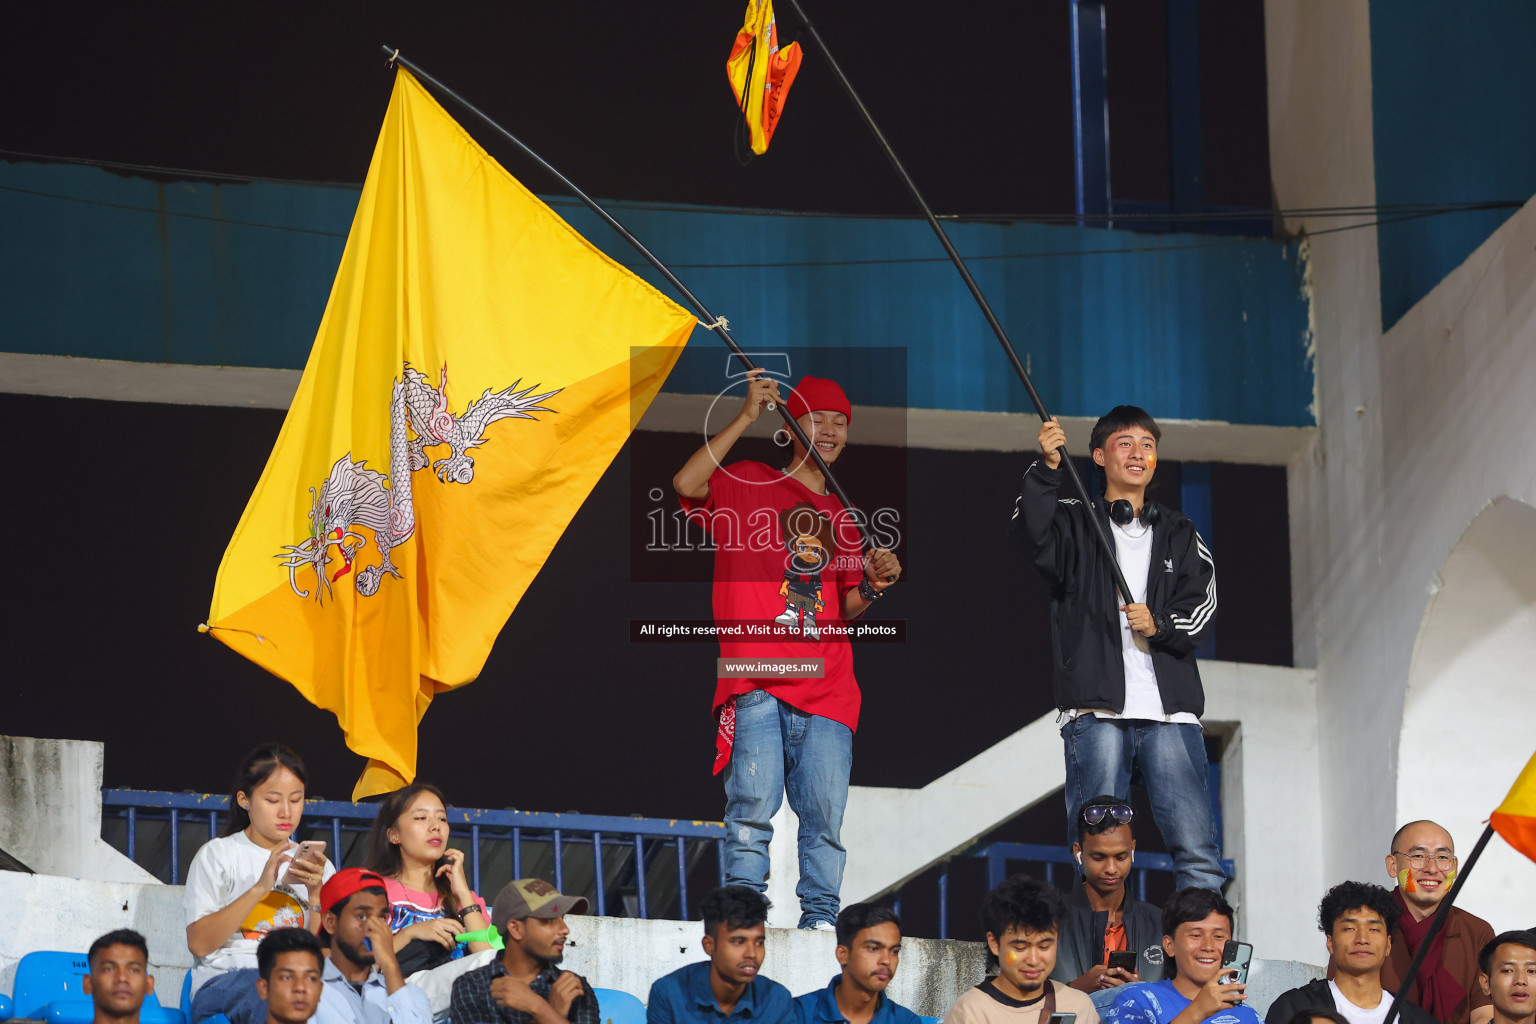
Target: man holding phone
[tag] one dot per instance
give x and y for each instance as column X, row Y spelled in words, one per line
column 1108, row 937
column 1197, row 929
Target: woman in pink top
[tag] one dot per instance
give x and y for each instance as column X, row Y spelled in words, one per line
column 430, row 900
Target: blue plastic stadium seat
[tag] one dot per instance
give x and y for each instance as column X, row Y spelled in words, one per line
column 6, row 1006
column 186, row 1008
column 48, row 977
column 931, row 1020
column 153, row 1013
column 49, row 986
column 68, row 1011
column 615, row 1007
column 83, row 1011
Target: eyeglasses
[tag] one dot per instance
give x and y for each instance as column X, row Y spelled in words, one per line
column 1443, row 861
column 1094, row 814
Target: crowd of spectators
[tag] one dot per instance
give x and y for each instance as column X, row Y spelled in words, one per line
column 281, row 937
column 349, row 973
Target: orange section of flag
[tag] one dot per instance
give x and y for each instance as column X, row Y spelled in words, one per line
column 1515, row 818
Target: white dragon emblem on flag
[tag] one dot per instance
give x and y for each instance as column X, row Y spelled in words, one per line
column 354, row 496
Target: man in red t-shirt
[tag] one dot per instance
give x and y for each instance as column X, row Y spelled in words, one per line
column 789, row 578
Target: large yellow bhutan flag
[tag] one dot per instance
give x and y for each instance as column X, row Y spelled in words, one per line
column 761, row 73
column 1515, row 819
column 478, row 366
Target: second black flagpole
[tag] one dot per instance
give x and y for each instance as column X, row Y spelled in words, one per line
column 970, row 282
column 709, row 320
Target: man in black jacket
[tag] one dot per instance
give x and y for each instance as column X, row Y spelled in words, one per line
column 1102, row 917
column 1125, row 673
column 1358, row 919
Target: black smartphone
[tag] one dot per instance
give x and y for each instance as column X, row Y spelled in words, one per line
column 1124, row 959
column 1235, row 958
column 1062, row 1018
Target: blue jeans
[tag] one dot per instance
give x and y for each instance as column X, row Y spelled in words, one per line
column 233, row 994
column 1101, row 753
column 780, row 750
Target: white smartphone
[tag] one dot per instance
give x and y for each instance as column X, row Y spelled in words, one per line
column 309, row 849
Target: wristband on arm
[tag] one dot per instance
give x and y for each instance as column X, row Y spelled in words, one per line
column 1164, row 626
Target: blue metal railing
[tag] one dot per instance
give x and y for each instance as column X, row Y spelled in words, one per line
column 998, row 854
column 631, row 858
column 645, row 862
column 1051, row 859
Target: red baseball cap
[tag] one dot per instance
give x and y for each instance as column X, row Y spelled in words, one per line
column 814, row 393
column 347, row 882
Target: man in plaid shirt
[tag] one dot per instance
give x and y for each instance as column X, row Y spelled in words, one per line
column 525, row 985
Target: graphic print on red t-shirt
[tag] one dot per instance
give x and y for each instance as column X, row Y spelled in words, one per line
column 808, row 539
column 784, row 555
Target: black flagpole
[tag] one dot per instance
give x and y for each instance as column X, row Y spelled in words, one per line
column 712, row 322
column 970, row 282
column 1441, row 913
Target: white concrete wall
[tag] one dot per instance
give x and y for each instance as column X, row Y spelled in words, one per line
column 1269, row 791
column 50, row 810
column 67, row 914
column 1419, row 430
column 1478, row 638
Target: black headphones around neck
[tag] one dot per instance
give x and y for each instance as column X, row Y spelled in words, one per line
column 1122, row 513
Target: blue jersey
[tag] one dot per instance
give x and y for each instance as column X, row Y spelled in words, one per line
column 1158, row 1002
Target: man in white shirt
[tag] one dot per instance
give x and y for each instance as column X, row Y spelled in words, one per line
column 362, row 979
column 1357, row 918
column 1124, row 673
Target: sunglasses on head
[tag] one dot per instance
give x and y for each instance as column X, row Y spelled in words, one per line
column 1121, row 813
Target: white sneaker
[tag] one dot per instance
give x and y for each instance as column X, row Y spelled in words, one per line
column 822, row 926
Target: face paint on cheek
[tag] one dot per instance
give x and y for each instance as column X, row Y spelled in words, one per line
column 1013, row 957
column 1152, row 461
column 1450, row 876
column 1405, row 881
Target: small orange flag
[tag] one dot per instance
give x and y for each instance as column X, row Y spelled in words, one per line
column 761, row 73
column 1515, row 819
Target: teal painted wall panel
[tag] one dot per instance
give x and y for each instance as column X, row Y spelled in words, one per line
column 1453, row 97
column 238, row 274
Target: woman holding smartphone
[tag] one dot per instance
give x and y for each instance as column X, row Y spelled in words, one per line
column 250, row 880
column 430, row 901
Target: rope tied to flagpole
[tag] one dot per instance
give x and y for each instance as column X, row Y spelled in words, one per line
column 203, row 627
column 720, row 323
column 391, row 61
